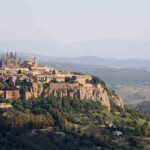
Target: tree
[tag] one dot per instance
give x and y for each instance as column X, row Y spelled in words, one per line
column 145, row 129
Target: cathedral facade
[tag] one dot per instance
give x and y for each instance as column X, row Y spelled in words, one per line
column 10, row 60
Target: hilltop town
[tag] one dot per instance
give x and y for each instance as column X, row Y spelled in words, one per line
column 43, row 106
column 27, row 79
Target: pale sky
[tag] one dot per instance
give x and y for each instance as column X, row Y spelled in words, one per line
column 71, row 21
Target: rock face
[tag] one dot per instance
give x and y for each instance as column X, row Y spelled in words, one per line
column 75, row 90
column 35, row 91
column 117, row 101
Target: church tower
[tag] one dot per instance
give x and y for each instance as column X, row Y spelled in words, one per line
column 10, row 60
column 2, row 62
column 34, row 61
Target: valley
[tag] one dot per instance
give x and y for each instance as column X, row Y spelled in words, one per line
column 133, row 85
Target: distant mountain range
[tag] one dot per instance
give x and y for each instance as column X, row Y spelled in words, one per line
column 104, row 48
column 89, row 60
column 98, row 52
column 93, row 60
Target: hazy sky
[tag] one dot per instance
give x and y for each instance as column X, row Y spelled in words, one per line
column 70, row 21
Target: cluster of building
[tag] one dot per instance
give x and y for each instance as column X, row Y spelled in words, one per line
column 14, row 69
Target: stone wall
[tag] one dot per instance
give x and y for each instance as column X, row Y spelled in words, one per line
column 1, row 93
column 75, row 90
column 11, row 94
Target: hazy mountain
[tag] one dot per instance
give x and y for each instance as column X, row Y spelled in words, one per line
column 121, row 49
column 92, row 60
column 99, row 52
column 112, row 63
column 89, row 60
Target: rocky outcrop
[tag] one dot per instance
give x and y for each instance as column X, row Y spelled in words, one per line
column 117, row 101
column 35, row 91
column 75, row 90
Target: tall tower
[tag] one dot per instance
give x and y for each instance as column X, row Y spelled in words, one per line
column 2, row 62
column 19, row 61
column 34, row 60
column 15, row 55
column 15, row 59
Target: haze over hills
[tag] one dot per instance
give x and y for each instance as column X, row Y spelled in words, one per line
column 129, row 77
column 120, row 49
column 103, row 62
column 75, row 75
column 91, row 60
column 130, row 83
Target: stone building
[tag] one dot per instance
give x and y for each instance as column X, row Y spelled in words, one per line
column 81, row 78
column 10, row 60
column 36, row 68
column 10, row 94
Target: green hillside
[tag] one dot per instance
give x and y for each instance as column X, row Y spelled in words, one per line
column 144, row 107
column 65, row 124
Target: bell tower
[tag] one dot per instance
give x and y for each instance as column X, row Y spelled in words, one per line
column 34, row 60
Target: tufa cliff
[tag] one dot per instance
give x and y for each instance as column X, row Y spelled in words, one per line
column 94, row 92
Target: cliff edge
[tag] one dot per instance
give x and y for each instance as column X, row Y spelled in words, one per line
column 93, row 92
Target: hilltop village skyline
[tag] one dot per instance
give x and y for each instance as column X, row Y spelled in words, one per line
column 27, row 79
